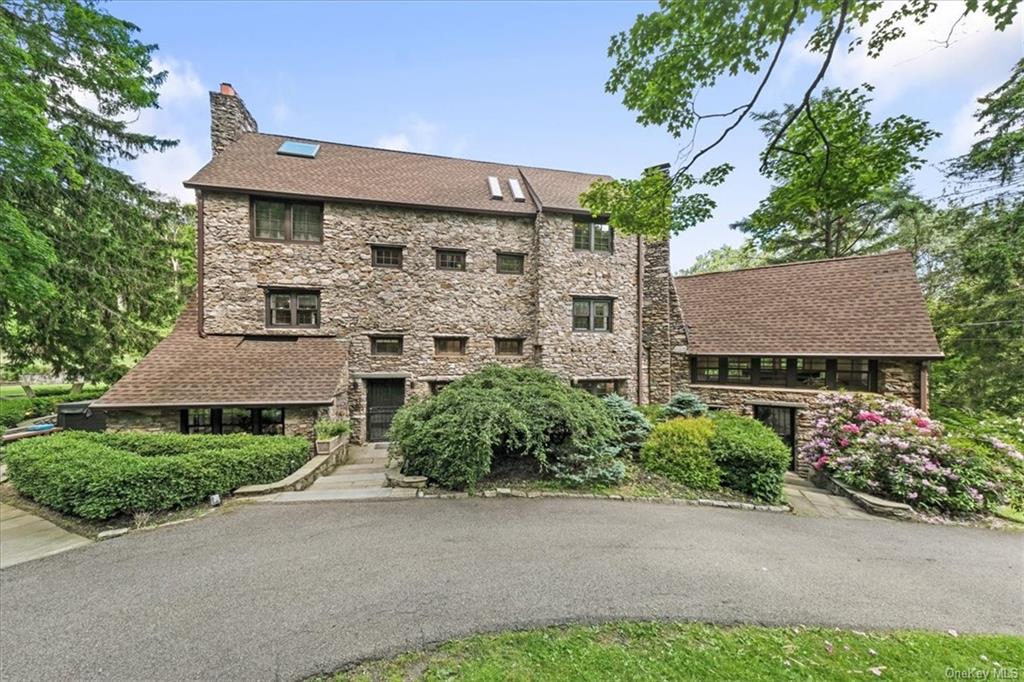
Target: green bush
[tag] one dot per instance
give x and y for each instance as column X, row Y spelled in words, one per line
column 327, row 429
column 632, row 424
column 100, row 475
column 503, row 412
column 752, row 458
column 14, row 410
column 655, row 414
column 680, row 449
column 685, row 404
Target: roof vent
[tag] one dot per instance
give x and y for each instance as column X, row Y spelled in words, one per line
column 517, row 191
column 492, row 182
column 306, row 150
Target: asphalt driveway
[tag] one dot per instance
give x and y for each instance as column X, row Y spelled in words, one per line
column 285, row 591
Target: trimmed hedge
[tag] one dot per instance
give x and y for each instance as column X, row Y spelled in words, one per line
column 507, row 412
column 751, row 456
column 14, row 410
column 100, row 475
column 680, row 449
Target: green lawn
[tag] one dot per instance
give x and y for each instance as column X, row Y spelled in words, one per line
column 659, row 651
column 8, row 391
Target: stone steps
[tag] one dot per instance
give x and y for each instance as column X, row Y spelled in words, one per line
column 350, row 494
column 369, row 480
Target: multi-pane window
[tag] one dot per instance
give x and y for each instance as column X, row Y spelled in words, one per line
column 853, row 374
column 773, row 372
column 592, row 314
column 508, row 346
column 811, row 372
column 737, row 371
column 706, row 369
column 451, row 259
column 599, row 387
column 449, row 345
column 293, row 308
column 386, row 345
column 510, row 263
column 287, row 221
column 387, row 256
column 265, row 421
column 590, row 236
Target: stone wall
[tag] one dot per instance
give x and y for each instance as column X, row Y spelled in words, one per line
column 229, row 119
column 664, row 334
column 418, row 301
column 150, row 420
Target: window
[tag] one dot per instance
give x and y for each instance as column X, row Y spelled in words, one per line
column 811, row 372
column 508, row 346
column 437, row 386
column 265, row 421
column 737, row 370
column 449, row 259
column 854, row 374
column 386, row 345
column 387, row 256
column 592, row 314
column 510, row 263
column 293, row 308
column 287, row 221
column 773, row 372
column 449, row 345
column 196, row 421
column 599, row 387
column 591, row 236
column 705, row 369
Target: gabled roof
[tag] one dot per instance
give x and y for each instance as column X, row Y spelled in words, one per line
column 188, row 370
column 382, row 176
column 867, row 306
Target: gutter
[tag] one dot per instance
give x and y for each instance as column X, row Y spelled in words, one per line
column 639, row 315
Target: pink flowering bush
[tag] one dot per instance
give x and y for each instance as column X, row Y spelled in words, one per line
column 893, row 450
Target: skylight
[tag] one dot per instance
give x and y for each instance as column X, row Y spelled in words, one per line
column 306, row 150
column 492, row 183
column 517, row 190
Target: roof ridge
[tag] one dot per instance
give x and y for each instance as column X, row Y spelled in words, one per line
column 299, row 138
column 894, row 252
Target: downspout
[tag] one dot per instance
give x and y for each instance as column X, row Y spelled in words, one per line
column 923, row 389
column 200, row 262
column 639, row 316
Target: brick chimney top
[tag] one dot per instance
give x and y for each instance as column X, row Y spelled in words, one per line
column 226, row 89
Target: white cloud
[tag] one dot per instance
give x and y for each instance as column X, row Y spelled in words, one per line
column 921, row 58
column 182, row 86
column 399, row 142
column 281, row 112
column 415, row 136
column 963, row 127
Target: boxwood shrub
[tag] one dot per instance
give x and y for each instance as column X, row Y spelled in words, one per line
column 507, row 412
column 100, row 475
column 680, row 449
column 752, row 458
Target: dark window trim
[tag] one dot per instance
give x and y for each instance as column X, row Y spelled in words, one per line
column 288, row 203
column 217, row 419
column 387, row 337
column 590, row 222
column 499, row 339
column 437, row 258
column 390, row 247
column 452, row 337
column 831, row 365
column 294, row 293
column 591, row 300
column 586, row 384
column 520, row 256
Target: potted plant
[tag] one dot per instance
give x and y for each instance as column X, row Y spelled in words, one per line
column 329, row 434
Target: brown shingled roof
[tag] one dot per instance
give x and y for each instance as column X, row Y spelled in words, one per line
column 368, row 175
column 191, row 371
column 859, row 306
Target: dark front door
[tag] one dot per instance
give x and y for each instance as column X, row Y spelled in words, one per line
column 383, row 398
column 781, row 420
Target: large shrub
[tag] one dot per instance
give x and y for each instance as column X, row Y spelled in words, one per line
column 752, row 458
column 680, row 449
column 14, row 410
column 684, row 404
column 893, row 450
column 632, row 424
column 99, row 475
column 501, row 412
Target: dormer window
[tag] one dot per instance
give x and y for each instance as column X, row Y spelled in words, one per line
column 287, row 221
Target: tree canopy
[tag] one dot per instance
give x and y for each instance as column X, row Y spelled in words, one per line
column 92, row 264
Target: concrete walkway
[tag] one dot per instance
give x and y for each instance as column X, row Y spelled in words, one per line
column 24, row 537
column 362, row 477
column 809, row 500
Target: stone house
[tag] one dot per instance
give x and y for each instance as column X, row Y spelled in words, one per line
column 341, row 280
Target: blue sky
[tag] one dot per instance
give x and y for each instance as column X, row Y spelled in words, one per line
column 513, row 82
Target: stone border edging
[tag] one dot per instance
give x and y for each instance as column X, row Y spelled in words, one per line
column 681, row 501
column 870, row 503
column 303, row 477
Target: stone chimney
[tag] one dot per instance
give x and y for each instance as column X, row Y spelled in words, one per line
column 229, row 119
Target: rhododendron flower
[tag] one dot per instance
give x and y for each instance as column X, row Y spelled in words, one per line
column 843, row 442
column 850, row 428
